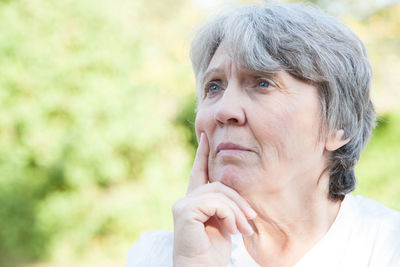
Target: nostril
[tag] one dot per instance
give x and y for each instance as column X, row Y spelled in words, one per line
column 233, row 120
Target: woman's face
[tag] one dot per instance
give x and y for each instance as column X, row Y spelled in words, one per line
column 263, row 138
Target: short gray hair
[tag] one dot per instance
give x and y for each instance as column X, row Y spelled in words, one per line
column 312, row 47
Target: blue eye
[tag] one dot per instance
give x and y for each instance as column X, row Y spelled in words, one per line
column 213, row 88
column 263, row 84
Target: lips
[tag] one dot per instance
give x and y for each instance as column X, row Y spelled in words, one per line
column 231, row 146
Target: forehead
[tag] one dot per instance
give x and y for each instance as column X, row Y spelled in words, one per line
column 220, row 60
column 223, row 61
column 219, row 57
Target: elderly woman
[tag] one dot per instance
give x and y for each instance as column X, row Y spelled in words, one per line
column 283, row 114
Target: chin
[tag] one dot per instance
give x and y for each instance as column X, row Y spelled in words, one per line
column 231, row 176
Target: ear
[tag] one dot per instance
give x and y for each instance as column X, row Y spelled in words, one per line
column 335, row 140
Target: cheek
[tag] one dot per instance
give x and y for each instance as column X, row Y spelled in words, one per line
column 273, row 126
column 290, row 130
column 281, row 130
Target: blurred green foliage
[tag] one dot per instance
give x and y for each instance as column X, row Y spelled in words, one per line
column 83, row 114
column 379, row 167
column 97, row 118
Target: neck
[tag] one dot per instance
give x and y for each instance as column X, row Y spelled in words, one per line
column 289, row 223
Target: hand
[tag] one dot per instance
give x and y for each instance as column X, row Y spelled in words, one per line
column 206, row 217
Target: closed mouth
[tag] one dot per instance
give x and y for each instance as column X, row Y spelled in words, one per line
column 231, row 146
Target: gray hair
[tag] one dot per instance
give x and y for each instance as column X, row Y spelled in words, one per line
column 312, row 47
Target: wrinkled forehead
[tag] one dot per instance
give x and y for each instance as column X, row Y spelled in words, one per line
column 226, row 57
column 219, row 61
column 223, row 61
column 220, row 57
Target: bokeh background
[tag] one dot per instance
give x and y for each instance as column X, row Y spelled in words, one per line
column 96, row 120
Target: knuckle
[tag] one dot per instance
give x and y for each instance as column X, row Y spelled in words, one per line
column 178, row 207
column 208, row 202
column 217, row 186
column 223, row 198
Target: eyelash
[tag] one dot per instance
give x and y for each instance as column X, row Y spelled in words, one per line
column 207, row 87
column 261, row 80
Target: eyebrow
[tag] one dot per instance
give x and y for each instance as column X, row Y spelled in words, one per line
column 279, row 82
column 209, row 72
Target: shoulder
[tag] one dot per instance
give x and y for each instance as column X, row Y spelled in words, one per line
column 153, row 249
column 373, row 213
column 365, row 233
column 378, row 228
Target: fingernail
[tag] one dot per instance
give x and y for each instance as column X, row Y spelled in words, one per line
column 252, row 214
column 235, row 231
column 250, row 230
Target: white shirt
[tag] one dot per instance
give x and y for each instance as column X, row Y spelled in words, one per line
column 364, row 234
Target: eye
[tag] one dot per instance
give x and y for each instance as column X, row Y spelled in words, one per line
column 212, row 88
column 263, row 84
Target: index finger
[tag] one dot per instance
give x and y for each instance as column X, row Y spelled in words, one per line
column 199, row 173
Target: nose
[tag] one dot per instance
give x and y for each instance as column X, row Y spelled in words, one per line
column 229, row 110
